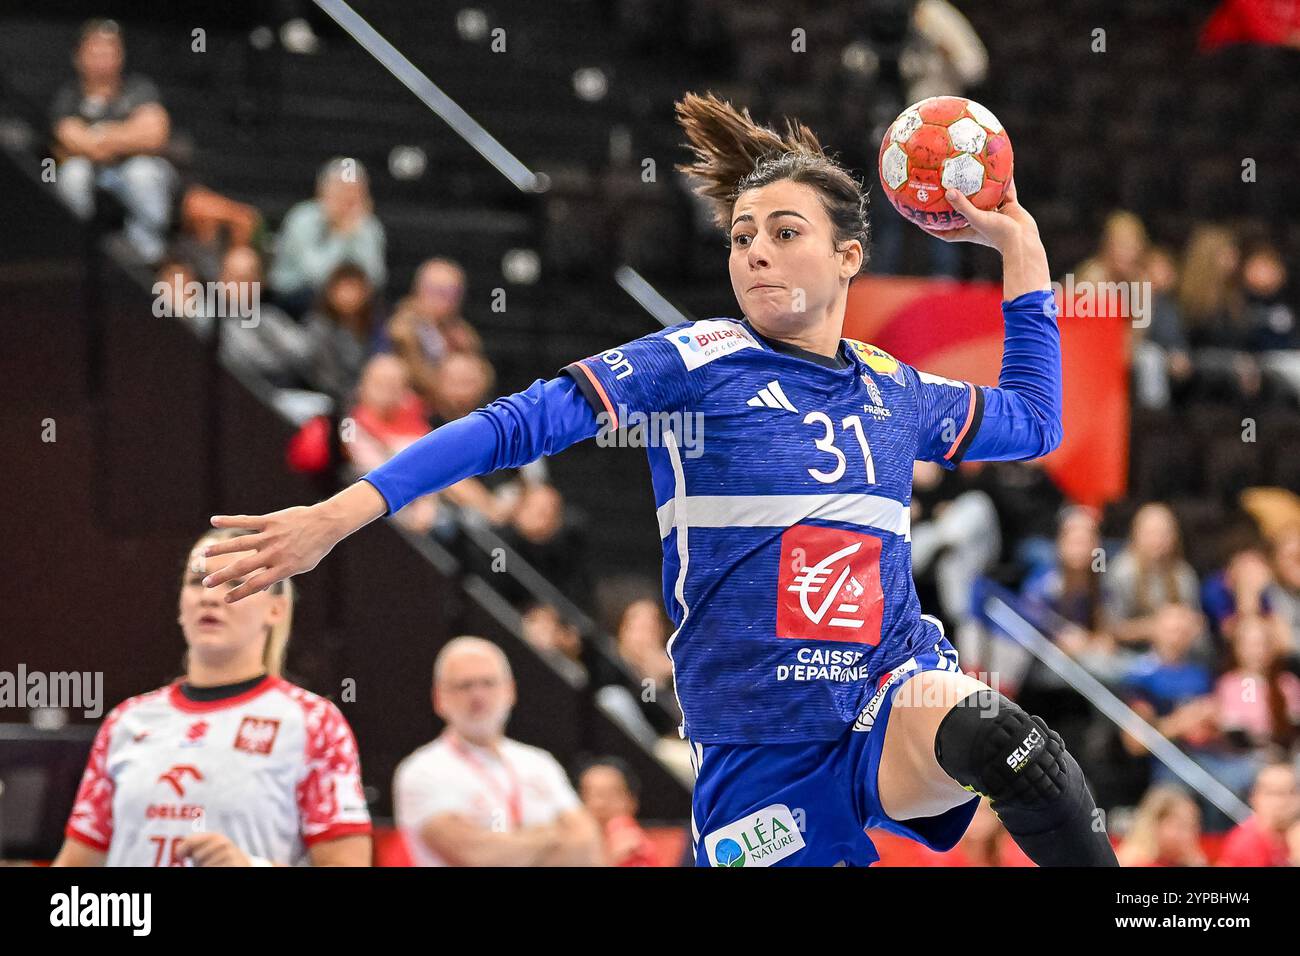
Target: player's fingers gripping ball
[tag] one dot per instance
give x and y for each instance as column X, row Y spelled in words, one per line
column 939, row 143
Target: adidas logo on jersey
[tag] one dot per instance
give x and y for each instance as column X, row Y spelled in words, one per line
column 771, row 396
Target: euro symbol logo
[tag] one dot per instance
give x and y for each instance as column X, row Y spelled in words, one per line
column 812, row 578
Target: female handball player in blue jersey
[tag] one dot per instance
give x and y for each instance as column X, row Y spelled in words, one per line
column 819, row 701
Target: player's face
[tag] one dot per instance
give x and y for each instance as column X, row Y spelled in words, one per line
column 218, row 631
column 785, row 270
column 474, row 695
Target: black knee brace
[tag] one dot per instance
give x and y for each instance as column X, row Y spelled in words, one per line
column 992, row 747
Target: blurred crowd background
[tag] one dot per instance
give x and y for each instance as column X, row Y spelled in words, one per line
column 404, row 284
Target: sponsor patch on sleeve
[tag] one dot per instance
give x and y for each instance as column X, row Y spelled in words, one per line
column 710, row 339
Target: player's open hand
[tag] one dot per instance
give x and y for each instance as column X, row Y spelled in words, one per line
column 282, row 544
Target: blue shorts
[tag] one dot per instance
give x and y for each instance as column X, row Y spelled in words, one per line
column 810, row 804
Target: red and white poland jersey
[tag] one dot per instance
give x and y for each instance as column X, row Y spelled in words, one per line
column 275, row 769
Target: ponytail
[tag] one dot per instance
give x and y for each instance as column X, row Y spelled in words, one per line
column 732, row 154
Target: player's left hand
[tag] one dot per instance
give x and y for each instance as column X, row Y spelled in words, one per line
column 212, row 849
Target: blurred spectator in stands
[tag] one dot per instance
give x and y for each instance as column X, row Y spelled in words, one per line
column 914, row 50
column 955, row 539
column 1265, row 22
column 1175, row 692
column 648, row 709
column 463, row 383
column 1065, row 601
column 1071, row 588
column 1261, row 839
column 109, row 130
column 387, row 417
column 1162, row 363
column 263, row 340
column 1259, row 701
column 945, row 56
column 320, row 235
column 1168, row 682
column 1028, row 503
column 548, row 633
column 427, row 325
column 610, row 791
column 1210, row 297
column 1284, row 596
column 1166, row 831
column 985, row 843
column 474, row 797
column 1273, row 334
column 1241, row 587
column 540, row 534
column 1121, row 253
column 1148, row 574
column 642, row 642
column 340, row 329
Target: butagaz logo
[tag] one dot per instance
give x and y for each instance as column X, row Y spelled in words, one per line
column 709, row 339
column 772, row 395
column 829, row 586
column 877, row 406
column 759, row 839
column 1028, row 747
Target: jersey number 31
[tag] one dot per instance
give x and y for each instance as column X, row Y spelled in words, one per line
column 827, row 444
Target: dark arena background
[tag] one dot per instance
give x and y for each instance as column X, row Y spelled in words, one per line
column 518, row 209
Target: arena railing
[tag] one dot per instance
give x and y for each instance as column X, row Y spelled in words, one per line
column 1007, row 615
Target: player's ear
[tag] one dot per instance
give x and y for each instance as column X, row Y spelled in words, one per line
column 850, row 259
column 279, row 607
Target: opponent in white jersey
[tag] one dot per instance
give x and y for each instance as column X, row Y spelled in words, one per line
column 231, row 766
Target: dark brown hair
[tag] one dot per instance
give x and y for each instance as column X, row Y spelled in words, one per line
column 734, row 154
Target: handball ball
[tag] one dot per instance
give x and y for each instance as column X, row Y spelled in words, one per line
column 941, row 142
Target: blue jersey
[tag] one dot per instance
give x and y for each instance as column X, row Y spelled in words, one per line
column 782, row 481
column 783, row 490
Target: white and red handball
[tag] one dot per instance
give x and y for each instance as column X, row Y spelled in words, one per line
column 943, row 142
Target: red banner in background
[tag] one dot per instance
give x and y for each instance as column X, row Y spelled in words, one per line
column 954, row 329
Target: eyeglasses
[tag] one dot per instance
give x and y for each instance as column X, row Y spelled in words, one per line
column 484, row 683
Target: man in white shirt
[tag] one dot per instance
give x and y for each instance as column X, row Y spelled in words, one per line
column 473, row 797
